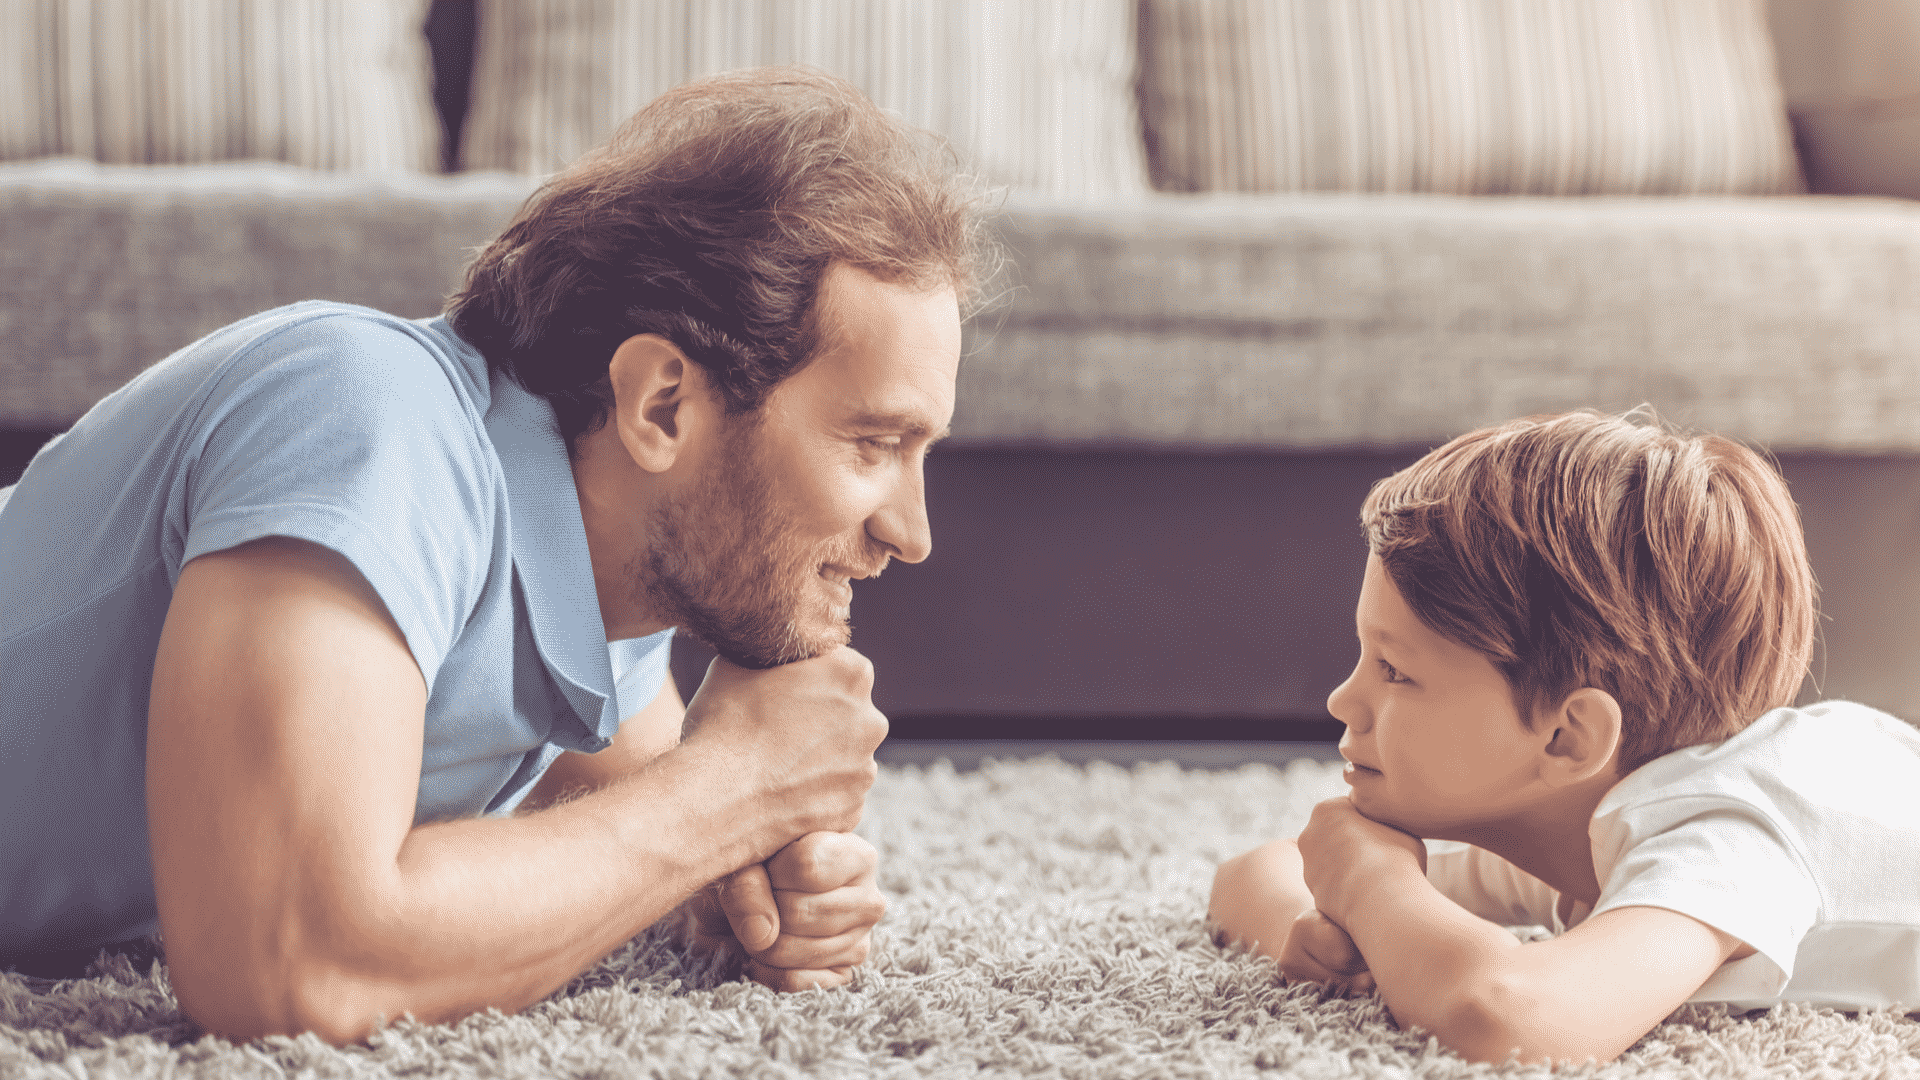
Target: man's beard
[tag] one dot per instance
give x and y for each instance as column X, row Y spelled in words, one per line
column 729, row 567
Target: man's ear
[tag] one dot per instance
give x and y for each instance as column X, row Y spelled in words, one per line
column 653, row 385
column 1584, row 735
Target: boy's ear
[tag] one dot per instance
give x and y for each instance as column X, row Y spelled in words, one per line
column 1584, row 737
column 653, row 385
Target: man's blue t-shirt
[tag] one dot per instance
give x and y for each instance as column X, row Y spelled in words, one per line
column 381, row 438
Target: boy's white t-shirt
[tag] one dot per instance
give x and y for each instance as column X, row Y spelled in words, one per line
column 1800, row 836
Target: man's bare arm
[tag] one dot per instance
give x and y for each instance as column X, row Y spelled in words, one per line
column 284, row 751
column 652, row 730
column 811, row 932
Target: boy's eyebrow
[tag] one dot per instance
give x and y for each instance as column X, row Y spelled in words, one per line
column 1381, row 635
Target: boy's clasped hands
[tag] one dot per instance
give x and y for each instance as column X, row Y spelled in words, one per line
column 1341, row 855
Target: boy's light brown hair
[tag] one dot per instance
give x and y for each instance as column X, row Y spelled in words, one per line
column 1608, row 551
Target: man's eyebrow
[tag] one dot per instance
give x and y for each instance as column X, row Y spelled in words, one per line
column 903, row 423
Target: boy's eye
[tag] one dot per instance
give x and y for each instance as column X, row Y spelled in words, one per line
column 1392, row 673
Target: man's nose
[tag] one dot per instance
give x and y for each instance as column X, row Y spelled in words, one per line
column 901, row 522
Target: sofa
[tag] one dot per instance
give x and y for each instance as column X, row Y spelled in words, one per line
column 1263, row 252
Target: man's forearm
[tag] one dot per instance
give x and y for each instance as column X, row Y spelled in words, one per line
column 500, row 912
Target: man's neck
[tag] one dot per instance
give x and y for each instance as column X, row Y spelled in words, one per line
column 612, row 499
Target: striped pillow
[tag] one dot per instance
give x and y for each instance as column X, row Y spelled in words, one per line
column 1472, row 97
column 1035, row 94
column 329, row 84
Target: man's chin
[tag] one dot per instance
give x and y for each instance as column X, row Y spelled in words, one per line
column 797, row 647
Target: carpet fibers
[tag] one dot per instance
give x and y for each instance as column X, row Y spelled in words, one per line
column 1046, row 920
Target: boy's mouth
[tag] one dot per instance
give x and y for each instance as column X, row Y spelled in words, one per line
column 1355, row 768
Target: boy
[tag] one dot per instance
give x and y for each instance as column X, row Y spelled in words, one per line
column 1578, row 638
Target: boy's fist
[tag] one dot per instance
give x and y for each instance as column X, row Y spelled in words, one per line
column 1343, row 851
column 1318, row 950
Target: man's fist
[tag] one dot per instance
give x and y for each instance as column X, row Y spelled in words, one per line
column 801, row 735
column 1318, row 950
column 804, row 918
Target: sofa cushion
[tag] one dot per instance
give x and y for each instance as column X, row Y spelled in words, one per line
column 1036, row 94
column 329, row 84
column 1313, row 321
column 1321, row 321
column 1545, row 97
column 107, row 269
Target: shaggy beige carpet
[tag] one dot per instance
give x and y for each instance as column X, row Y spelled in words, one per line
column 1046, row 921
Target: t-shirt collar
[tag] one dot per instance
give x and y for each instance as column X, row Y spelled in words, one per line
column 550, row 553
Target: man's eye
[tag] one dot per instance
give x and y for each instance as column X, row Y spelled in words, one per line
column 884, row 443
column 1392, row 673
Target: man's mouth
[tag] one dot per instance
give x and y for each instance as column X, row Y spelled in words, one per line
column 841, row 583
column 839, row 574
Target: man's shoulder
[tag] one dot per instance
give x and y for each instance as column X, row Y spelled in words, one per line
column 343, row 345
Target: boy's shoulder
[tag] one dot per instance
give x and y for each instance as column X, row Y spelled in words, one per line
column 1817, row 780
column 1831, row 752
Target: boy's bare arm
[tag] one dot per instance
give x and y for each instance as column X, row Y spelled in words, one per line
column 1257, row 895
column 1591, row 992
column 1261, row 898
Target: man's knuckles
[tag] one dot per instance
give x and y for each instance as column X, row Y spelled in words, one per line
column 788, row 982
column 820, row 861
column 807, row 953
column 853, row 667
column 826, row 914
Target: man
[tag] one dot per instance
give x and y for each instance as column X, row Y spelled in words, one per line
column 298, row 628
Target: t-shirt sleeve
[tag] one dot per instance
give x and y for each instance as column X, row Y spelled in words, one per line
column 348, row 432
column 640, row 669
column 1714, row 859
column 1488, row 885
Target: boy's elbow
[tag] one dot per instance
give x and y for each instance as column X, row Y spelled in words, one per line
column 1497, row 1016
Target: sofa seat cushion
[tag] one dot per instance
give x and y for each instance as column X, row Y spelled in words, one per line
column 1328, row 320
column 1307, row 321
column 107, row 269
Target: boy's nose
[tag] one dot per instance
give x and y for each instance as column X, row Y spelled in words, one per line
column 1344, row 706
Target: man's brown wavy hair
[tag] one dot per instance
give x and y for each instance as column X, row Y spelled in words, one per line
column 1609, row 551
column 709, row 218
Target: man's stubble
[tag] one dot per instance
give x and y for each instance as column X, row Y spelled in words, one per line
column 729, row 566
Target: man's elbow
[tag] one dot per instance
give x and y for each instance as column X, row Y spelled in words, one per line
column 315, row 969
column 245, row 1001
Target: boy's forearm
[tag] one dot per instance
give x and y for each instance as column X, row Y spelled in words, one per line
column 1257, row 896
column 1434, row 962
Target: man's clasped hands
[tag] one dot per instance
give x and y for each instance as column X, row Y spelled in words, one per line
column 803, row 918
